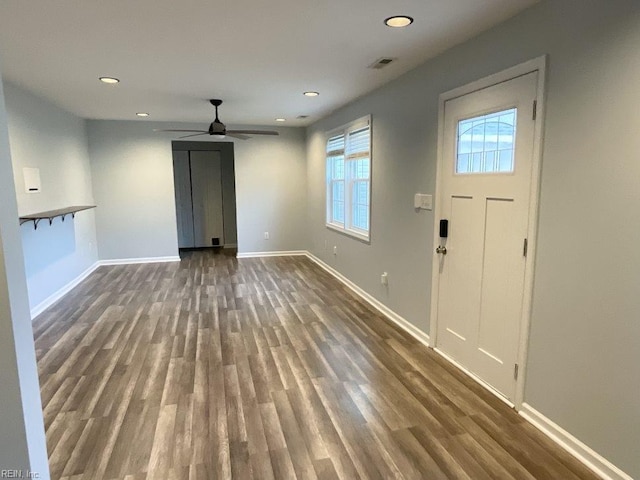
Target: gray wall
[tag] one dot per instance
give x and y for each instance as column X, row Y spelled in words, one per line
column 133, row 184
column 583, row 362
column 271, row 196
column 55, row 141
column 583, row 359
column 132, row 171
column 22, row 439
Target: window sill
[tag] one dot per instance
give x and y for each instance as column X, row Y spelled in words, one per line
column 350, row 233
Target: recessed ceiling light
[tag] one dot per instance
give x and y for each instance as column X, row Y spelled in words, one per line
column 311, row 94
column 109, row 80
column 398, row 21
column 142, row 114
column 281, row 119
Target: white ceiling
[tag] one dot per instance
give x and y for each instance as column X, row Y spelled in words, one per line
column 257, row 55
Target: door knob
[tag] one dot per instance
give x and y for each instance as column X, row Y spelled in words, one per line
column 441, row 249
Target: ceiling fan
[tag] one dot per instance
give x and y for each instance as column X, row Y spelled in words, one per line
column 219, row 129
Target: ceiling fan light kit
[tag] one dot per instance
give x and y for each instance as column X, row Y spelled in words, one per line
column 219, row 129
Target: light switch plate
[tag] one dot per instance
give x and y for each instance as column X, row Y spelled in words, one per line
column 423, row 201
column 32, row 180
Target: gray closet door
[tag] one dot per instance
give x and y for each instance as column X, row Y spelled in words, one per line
column 182, row 187
column 206, row 195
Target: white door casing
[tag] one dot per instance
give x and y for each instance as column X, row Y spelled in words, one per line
column 482, row 287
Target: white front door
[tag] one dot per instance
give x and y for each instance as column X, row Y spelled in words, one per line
column 485, row 186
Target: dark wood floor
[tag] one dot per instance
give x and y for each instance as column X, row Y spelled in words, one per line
column 217, row 368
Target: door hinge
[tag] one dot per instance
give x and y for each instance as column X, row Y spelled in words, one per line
column 525, row 247
column 515, row 372
column 535, row 109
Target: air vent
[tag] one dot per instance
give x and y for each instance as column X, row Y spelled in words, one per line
column 302, row 117
column 381, row 63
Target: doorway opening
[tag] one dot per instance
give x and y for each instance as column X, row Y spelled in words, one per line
column 205, row 196
column 488, row 175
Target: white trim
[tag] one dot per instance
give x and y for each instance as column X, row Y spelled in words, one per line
column 592, row 459
column 404, row 324
column 356, row 124
column 132, row 261
column 347, row 227
column 538, row 64
column 54, row 297
column 284, row 253
column 532, row 231
column 349, row 232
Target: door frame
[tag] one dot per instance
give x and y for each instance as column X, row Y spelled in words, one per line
column 226, row 150
column 536, row 65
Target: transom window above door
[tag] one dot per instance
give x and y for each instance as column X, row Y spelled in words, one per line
column 486, row 144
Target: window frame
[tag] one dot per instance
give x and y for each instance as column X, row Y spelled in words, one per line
column 348, row 180
column 497, row 151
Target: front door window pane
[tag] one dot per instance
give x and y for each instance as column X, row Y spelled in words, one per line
column 486, row 144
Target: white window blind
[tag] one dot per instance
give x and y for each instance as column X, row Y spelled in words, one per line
column 335, row 145
column 359, row 143
column 349, row 178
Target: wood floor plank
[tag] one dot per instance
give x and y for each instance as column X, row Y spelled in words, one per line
column 295, row 444
column 265, row 368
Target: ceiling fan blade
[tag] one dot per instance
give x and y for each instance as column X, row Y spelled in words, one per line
column 253, row 132
column 238, row 135
column 194, row 135
column 172, row 130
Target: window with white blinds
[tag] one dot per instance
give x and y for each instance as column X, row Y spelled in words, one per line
column 349, row 178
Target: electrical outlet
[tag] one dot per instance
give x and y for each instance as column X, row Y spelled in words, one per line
column 335, row 250
column 384, row 278
column 266, row 235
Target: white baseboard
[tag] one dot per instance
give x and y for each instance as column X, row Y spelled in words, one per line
column 132, row 261
column 596, row 462
column 54, row 297
column 404, row 324
column 593, row 460
column 284, row 253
